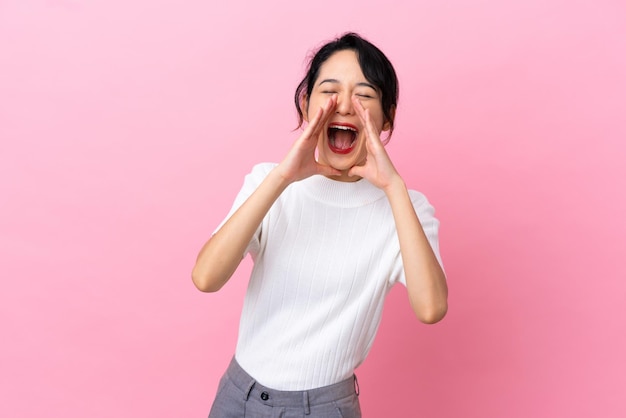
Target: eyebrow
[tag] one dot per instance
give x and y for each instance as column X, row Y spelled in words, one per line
column 335, row 81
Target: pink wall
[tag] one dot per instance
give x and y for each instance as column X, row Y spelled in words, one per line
column 126, row 128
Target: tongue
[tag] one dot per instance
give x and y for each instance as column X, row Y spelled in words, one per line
column 343, row 139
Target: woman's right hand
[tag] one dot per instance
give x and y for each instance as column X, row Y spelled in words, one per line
column 221, row 254
column 300, row 162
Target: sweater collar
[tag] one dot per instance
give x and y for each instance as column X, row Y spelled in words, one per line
column 340, row 193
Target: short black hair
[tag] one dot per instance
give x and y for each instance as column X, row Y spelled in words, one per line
column 376, row 68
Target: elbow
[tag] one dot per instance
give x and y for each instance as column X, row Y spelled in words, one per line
column 432, row 318
column 205, row 283
column 432, row 314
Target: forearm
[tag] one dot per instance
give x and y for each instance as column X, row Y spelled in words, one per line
column 221, row 254
column 425, row 279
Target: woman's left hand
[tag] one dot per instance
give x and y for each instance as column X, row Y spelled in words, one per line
column 425, row 279
column 377, row 168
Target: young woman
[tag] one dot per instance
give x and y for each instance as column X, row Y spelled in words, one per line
column 331, row 229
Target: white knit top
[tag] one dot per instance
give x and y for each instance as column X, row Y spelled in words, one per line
column 325, row 256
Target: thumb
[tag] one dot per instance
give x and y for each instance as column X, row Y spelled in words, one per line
column 357, row 170
column 327, row 170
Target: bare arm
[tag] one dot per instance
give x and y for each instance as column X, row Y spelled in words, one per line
column 221, row 254
column 425, row 279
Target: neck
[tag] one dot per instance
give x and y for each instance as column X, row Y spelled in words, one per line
column 345, row 177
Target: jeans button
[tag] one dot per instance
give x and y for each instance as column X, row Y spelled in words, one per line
column 265, row 396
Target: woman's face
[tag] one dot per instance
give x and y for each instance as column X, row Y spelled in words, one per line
column 341, row 144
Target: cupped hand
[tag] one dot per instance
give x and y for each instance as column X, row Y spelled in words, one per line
column 300, row 162
column 377, row 168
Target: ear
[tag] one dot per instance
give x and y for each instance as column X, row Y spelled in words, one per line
column 304, row 107
column 388, row 122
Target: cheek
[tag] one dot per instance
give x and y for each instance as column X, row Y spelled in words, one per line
column 378, row 122
column 311, row 109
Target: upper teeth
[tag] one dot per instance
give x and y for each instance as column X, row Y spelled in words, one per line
column 345, row 128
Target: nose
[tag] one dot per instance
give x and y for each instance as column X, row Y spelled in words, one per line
column 344, row 105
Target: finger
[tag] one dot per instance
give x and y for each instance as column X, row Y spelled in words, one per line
column 327, row 170
column 313, row 123
column 360, row 110
column 357, row 170
column 364, row 115
column 370, row 126
column 359, row 107
column 314, row 126
column 329, row 106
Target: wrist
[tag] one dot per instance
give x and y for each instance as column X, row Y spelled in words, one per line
column 395, row 187
column 278, row 178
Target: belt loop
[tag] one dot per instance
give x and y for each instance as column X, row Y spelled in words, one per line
column 357, row 390
column 246, row 394
column 305, row 402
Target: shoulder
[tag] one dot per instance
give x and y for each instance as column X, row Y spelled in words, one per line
column 418, row 198
column 254, row 178
column 420, row 203
column 262, row 169
column 258, row 173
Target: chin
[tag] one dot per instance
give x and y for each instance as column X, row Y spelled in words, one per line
column 345, row 166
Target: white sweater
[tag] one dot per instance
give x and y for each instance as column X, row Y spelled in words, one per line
column 325, row 257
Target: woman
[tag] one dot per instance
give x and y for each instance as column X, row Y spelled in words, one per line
column 330, row 229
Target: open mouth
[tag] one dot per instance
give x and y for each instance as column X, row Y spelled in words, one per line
column 342, row 137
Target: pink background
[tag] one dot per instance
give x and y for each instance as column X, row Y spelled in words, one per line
column 126, row 129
